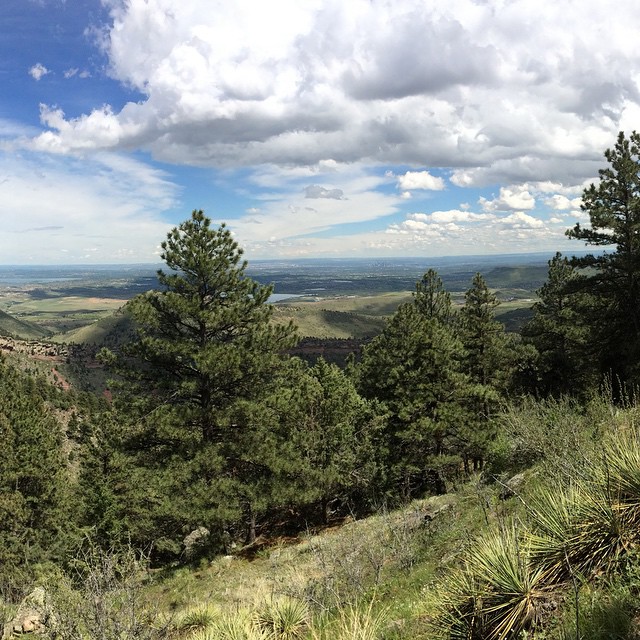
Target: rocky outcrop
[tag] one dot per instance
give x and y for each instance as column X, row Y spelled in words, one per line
column 34, row 617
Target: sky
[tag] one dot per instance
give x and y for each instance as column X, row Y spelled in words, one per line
column 312, row 128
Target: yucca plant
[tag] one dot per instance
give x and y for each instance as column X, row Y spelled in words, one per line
column 353, row 623
column 498, row 594
column 460, row 599
column 232, row 626
column 580, row 530
column 554, row 521
column 620, row 473
column 516, row 587
column 285, row 619
column 196, row 619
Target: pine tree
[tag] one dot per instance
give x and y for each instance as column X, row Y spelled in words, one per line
column 204, row 339
column 482, row 333
column 337, row 438
column 614, row 277
column 413, row 369
column 431, row 298
column 484, row 361
column 560, row 331
column 33, row 477
column 204, row 349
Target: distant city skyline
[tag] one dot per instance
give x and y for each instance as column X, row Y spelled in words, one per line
column 313, row 128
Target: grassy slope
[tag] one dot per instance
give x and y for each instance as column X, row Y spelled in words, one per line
column 14, row 327
column 339, row 317
column 389, row 557
column 102, row 332
column 400, row 559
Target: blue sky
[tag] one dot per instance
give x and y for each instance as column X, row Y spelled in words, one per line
column 313, row 128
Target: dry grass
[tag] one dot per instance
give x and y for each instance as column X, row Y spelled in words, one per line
column 337, row 566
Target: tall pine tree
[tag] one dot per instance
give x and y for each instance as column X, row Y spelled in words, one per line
column 613, row 277
column 204, row 348
column 485, row 361
column 560, row 330
column 34, row 513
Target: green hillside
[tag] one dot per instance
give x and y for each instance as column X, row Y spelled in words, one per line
column 15, row 328
column 340, row 318
column 327, row 323
column 107, row 331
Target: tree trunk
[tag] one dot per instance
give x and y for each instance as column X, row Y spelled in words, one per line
column 251, row 525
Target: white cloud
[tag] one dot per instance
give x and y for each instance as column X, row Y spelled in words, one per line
column 412, row 180
column 559, row 202
column 548, row 186
column 521, row 220
column 510, row 199
column 454, row 215
column 498, row 93
column 459, row 232
column 344, row 111
column 290, row 207
column 38, row 71
column 315, row 191
column 102, row 210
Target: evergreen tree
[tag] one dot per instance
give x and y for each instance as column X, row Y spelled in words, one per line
column 204, row 348
column 431, row 298
column 337, row 438
column 559, row 330
column 33, row 475
column 482, row 334
column 205, row 339
column 485, row 361
column 413, row 368
column 614, row 277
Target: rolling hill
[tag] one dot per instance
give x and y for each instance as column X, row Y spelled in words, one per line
column 16, row 328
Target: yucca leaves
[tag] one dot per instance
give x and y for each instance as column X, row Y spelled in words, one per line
column 285, row 619
column 516, row 587
column 353, row 623
column 498, row 594
column 620, row 471
column 197, row 619
column 575, row 533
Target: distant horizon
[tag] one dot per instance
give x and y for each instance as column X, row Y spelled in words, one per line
column 156, row 265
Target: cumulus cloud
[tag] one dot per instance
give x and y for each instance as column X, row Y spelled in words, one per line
column 38, row 71
column 454, row 215
column 510, row 199
column 559, row 202
column 315, row 191
column 413, row 180
column 462, row 85
column 521, row 220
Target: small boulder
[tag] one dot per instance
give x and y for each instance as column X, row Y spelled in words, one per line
column 195, row 541
column 34, row 616
column 513, row 486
